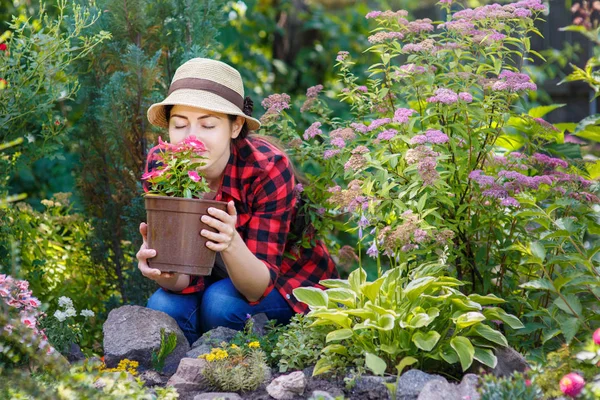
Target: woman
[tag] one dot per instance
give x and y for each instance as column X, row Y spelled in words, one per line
column 256, row 178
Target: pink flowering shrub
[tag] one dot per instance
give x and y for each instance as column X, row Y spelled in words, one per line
column 174, row 169
column 23, row 311
column 437, row 154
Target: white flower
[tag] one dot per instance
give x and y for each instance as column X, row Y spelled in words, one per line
column 87, row 313
column 59, row 315
column 65, row 302
column 70, row 312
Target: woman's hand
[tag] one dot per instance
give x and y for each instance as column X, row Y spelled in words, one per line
column 144, row 254
column 224, row 223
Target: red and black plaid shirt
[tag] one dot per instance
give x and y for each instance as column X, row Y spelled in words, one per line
column 259, row 179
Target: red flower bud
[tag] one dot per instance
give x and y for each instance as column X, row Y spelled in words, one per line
column 3, row 47
column 596, row 336
column 572, row 384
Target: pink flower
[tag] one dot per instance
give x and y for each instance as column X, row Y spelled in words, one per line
column 196, row 144
column 327, row 154
column 572, row 384
column 28, row 321
column 403, row 114
column 151, row 174
column 194, row 176
column 596, row 336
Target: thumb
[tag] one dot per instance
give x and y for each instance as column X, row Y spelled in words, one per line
column 231, row 208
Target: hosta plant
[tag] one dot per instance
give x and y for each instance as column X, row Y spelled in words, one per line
column 418, row 318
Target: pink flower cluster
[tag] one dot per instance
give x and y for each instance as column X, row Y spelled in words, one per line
column 513, row 82
column 425, row 158
column 381, row 37
column 420, row 25
column 312, row 131
column 520, row 9
column 432, row 136
column 402, row 115
column 386, row 14
column 311, row 97
column 342, row 55
column 387, row 134
column 448, row 96
column 167, row 150
column 16, row 294
column 376, row 123
column 409, row 70
column 548, row 161
column 427, row 45
column 274, row 104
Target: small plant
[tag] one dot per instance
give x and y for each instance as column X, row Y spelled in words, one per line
column 516, row 386
column 235, row 368
column 65, row 326
column 175, row 171
column 267, row 342
column 167, row 345
column 299, row 346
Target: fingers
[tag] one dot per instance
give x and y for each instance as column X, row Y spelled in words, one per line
column 231, row 208
column 220, row 226
column 228, row 217
column 144, row 231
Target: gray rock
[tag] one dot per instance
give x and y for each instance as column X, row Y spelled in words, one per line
column 210, row 339
column 188, row 377
column 75, row 354
column 370, row 388
column 412, row 382
column 218, row 396
column 509, row 361
column 286, row 387
column 133, row 332
column 321, row 395
column 259, row 323
column 152, row 378
column 437, row 389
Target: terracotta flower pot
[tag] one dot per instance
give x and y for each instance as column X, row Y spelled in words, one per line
column 174, row 226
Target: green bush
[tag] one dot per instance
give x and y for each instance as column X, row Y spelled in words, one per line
column 514, row 387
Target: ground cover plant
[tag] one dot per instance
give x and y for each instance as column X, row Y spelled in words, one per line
column 439, row 153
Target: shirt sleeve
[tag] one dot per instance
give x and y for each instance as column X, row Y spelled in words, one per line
column 268, row 227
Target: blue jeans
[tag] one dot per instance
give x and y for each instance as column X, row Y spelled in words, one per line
column 220, row 304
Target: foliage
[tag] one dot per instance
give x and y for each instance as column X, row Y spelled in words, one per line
column 406, row 317
column 515, row 386
column 267, row 341
column 299, row 346
column 167, row 345
column 235, row 368
column 177, row 173
column 436, row 154
column 36, row 71
column 54, row 259
column 65, row 327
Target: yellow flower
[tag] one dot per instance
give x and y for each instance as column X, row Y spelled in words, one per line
column 254, row 345
column 234, row 346
column 210, row 357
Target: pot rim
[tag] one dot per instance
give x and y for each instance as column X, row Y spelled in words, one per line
column 157, row 197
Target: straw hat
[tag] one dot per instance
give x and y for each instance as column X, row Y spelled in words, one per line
column 204, row 83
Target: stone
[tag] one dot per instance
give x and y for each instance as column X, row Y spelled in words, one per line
column 188, row 377
column 411, row 383
column 75, row 354
column 370, row 388
column 321, row 395
column 152, row 378
column 286, row 387
column 218, row 396
column 509, row 361
column 210, row 339
column 133, row 332
column 437, row 389
column 259, row 323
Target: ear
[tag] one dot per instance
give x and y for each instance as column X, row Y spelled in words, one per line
column 236, row 126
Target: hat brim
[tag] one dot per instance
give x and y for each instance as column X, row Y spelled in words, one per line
column 199, row 99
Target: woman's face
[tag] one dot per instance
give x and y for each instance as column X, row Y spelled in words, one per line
column 212, row 128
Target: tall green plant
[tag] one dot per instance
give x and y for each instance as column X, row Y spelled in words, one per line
column 151, row 39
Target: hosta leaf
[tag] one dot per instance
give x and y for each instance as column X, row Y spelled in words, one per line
column 498, row 313
column 362, row 313
column 386, row 322
column 335, row 283
column 486, row 357
column 356, row 279
column 375, row 364
column 405, row 362
column 335, row 348
column 371, row 289
column 416, row 287
column 465, row 350
column 426, row 341
column 338, row 335
column 312, row 296
column 389, row 348
column 469, row 319
column 341, row 295
column 338, row 317
column 488, row 333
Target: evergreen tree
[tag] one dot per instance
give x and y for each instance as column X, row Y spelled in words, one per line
column 151, row 39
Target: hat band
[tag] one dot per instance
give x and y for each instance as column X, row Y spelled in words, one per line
column 210, row 86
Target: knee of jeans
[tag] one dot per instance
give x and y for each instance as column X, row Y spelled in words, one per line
column 163, row 301
column 220, row 307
